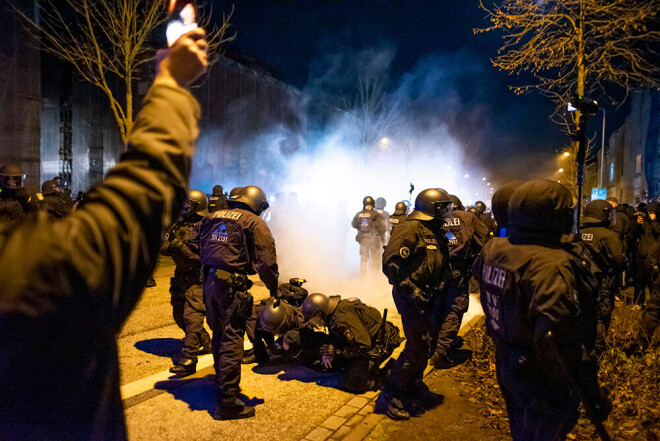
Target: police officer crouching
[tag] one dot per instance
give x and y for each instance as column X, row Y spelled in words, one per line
column 539, row 300
column 416, row 263
column 186, row 295
column 234, row 243
column 606, row 250
column 359, row 339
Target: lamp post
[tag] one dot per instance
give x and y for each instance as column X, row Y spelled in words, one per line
column 602, row 153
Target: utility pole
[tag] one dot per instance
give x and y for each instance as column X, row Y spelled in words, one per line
column 602, row 153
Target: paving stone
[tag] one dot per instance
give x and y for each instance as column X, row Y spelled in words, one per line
column 362, row 430
column 358, row 402
column 347, row 411
column 354, row 421
column 366, row 410
column 370, row 394
column 318, row 434
column 342, row 432
column 333, row 422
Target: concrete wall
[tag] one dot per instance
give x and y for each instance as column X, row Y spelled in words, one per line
column 19, row 95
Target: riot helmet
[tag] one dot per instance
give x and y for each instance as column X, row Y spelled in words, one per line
column 473, row 210
column 400, row 208
column 432, row 203
column 236, row 191
column 480, row 206
column 598, row 211
column 218, row 190
column 315, row 309
column 48, row 187
column 380, row 203
column 542, row 208
column 11, row 176
column 500, row 203
column 197, row 202
column 368, row 203
column 456, row 202
column 274, row 316
column 252, row 196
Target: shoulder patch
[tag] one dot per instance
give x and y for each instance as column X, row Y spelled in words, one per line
column 404, row 252
column 348, row 334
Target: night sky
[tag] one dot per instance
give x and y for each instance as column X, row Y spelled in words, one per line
column 496, row 126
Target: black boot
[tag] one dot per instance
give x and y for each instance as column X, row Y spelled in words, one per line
column 390, row 406
column 205, row 348
column 421, row 396
column 185, row 366
column 232, row 410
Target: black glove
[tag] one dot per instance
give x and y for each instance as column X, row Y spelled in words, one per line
column 602, row 405
column 420, row 300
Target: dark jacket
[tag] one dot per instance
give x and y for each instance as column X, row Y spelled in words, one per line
column 369, row 223
column 238, row 241
column 466, row 236
column 395, row 220
column 621, row 226
column 646, row 235
column 13, row 205
column 56, row 205
column 175, row 243
column 217, row 202
column 604, row 246
column 68, row 286
column 417, row 256
column 526, row 290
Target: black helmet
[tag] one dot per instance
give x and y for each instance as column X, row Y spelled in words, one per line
column 198, row 202
column 368, row 202
column 473, row 210
column 480, row 206
column 252, row 196
column 236, row 191
column 49, row 187
column 597, row 211
column 432, row 203
column 653, row 207
column 218, row 190
column 315, row 309
column 500, row 202
column 11, row 176
column 541, row 206
column 273, row 316
column 380, row 203
column 400, row 208
column 458, row 205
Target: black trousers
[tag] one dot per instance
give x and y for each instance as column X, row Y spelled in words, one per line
column 452, row 309
column 651, row 315
column 371, row 252
column 222, row 306
column 257, row 336
column 421, row 331
column 642, row 280
column 189, row 311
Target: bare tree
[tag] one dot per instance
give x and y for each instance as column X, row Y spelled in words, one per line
column 370, row 110
column 102, row 39
column 577, row 46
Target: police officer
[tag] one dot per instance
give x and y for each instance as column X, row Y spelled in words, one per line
column 371, row 234
column 14, row 199
column 354, row 333
column 606, row 251
column 416, row 263
column 68, row 286
column 218, row 199
column 484, row 216
column 381, row 203
column 466, row 235
column 272, row 317
column 234, row 243
column 538, row 296
column 399, row 215
column 53, row 202
column 186, row 295
column 651, row 314
column 646, row 231
column 500, row 206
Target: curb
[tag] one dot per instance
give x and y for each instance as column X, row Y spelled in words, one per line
column 355, row 419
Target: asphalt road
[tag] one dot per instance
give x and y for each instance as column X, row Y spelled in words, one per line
column 290, row 401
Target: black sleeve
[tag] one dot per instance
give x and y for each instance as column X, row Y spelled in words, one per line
column 400, row 247
column 265, row 256
column 95, row 263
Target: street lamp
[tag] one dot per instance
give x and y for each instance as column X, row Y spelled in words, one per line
column 602, row 153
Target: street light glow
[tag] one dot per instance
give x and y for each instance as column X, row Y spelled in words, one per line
column 566, row 154
column 483, row 179
column 466, row 175
column 561, row 170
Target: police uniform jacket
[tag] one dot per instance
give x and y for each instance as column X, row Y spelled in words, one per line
column 605, row 248
column 621, row 226
column 395, row 220
column 417, row 256
column 647, row 234
column 356, row 326
column 466, row 236
column 13, row 204
column 68, row 286
column 217, row 202
column 55, row 205
column 526, row 290
column 175, row 243
column 369, row 223
column 238, row 241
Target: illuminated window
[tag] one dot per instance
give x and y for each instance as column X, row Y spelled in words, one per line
column 611, row 172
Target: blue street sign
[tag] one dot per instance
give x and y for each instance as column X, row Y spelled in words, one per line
column 598, row 193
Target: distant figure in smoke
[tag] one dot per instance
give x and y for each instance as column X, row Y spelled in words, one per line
column 400, row 213
column 381, row 203
column 218, row 199
column 484, row 216
column 371, row 235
